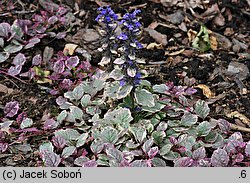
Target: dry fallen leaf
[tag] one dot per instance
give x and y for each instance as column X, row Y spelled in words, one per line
column 158, row 37
column 175, row 52
column 70, row 48
column 206, row 90
column 213, row 43
column 151, row 46
column 242, row 117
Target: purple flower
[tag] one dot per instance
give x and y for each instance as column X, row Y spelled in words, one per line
column 122, row 82
column 106, row 15
column 123, row 36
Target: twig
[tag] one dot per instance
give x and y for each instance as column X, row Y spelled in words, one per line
column 240, row 128
column 13, row 77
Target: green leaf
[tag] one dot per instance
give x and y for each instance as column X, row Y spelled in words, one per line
column 144, row 98
column 115, row 154
column 171, row 156
column 189, row 119
column 202, row 41
column 27, row 122
column 158, row 137
column 116, row 74
column 47, row 146
column 201, row 109
column 92, row 110
column 85, row 101
column 13, row 48
column 68, row 151
column 158, row 162
column 111, row 90
column 203, row 128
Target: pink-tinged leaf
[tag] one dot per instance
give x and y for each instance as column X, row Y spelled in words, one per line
column 190, row 91
column 5, row 30
column 247, row 150
column 220, row 158
column 3, row 147
column 91, row 163
column 37, row 60
column 59, row 66
column 21, row 117
column 50, row 124
column 29, row 74
column 11, row 109
column 15, row 70
column 32, row 130
column 52, row 20
column 199, row 153
column 51, row 159
column 139, row 163
column 61, row 35
column 66, row 84
column 152, row 152
column 183, row 162
column 32, row 42
column 238, row 158
column 58, row 142
column 224, row 125
column 72, row 62
column 19, row 59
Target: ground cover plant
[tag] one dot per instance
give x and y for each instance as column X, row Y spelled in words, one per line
column 120, row 88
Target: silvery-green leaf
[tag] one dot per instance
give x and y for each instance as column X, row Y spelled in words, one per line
column 156, row 108
column 4, row 56
column 119, row 61
column 92, row 110
column 158, row 137
column 145, row 83
column 203, row 128
column 139, row 133
column 62, row 116
column 68, row 135
column 81, row 139
column 147, row 145
column 5, row 29
column 27, row 122
column 98, row 84
column 121, row 116
column 12, row 48
column 144, row 98
column 109, row 135
column 165, row 149
column 201, row 109
column 85, row 100
column 116, row 74
column 69, row 95
column 76, row 112
column 17, row 30
column 78, row 92
column 124, row 91
column 114, row 154
column 171, row 155
column 1, row 42
column 68, row 151
column 46, row 146
column 158, row 162
column 139, row 163
column 189, row 119
column 104, row 61
column 14, row 70
column 111, row 90
column 160, row 88
column 97, row 146
column 131, row 72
